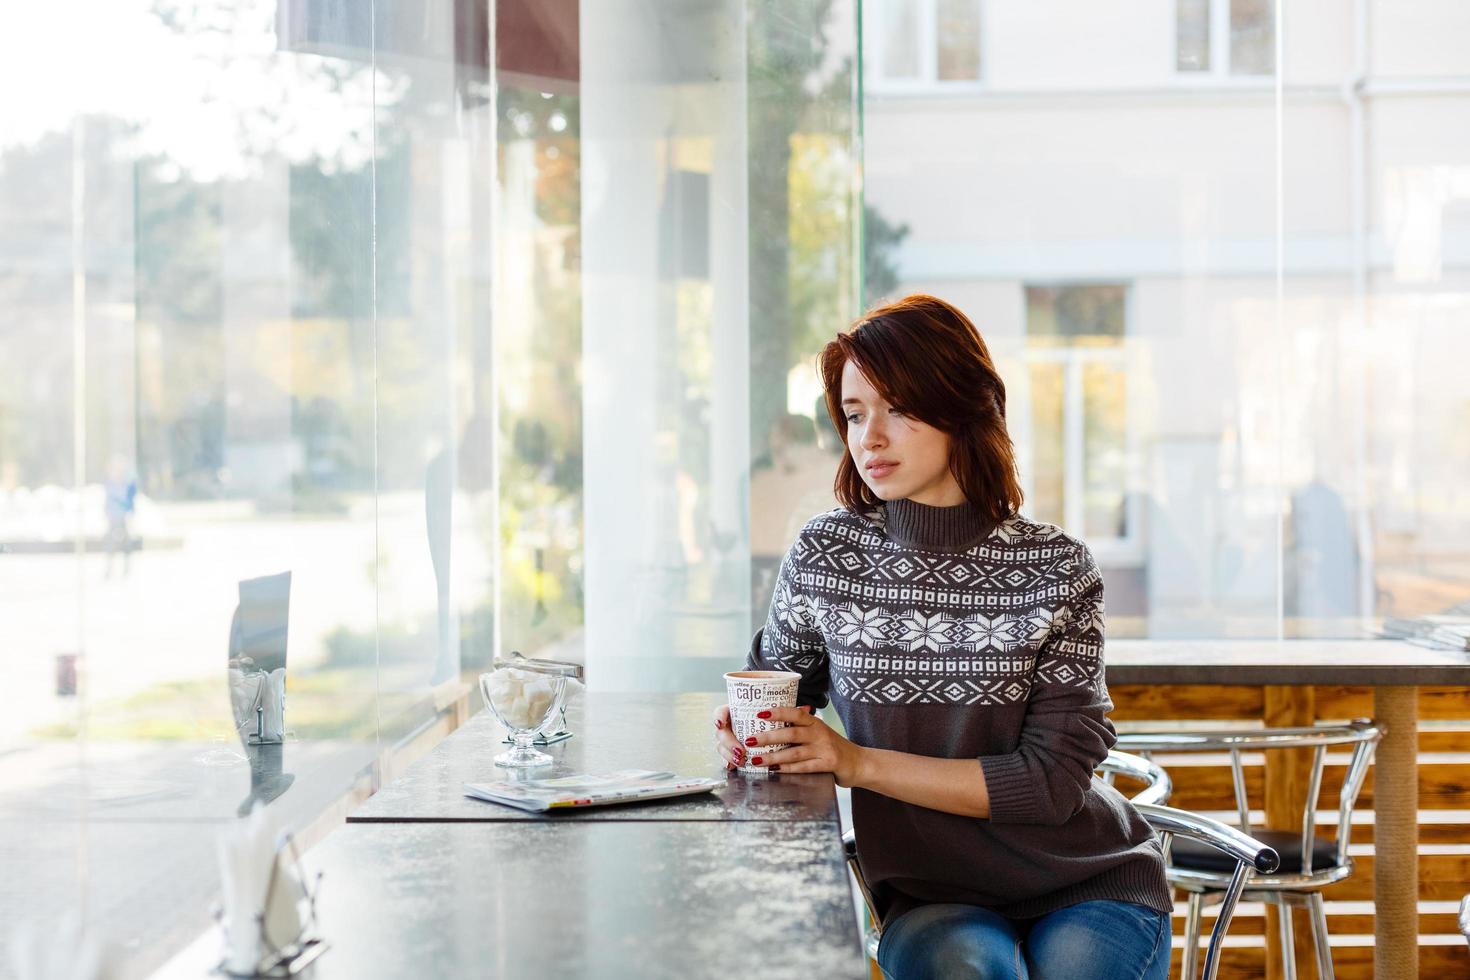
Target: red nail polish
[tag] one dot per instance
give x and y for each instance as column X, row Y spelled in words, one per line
column 756, row 761
column 775, row 768
column 763, row 714
column 719, row 724
column 751, row 741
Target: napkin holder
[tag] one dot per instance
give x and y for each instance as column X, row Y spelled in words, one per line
column 293, row 957
column 264, row 721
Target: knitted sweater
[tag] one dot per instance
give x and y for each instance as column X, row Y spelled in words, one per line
column 937, row 635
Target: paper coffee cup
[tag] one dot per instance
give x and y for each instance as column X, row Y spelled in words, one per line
column 750, row 692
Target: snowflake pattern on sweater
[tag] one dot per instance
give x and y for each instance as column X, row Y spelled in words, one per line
column 897, row 624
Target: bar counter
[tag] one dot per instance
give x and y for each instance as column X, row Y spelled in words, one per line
column 1395, row 670
column 749, row 880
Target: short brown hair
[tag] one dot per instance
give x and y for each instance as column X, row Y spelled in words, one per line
column 926, row 357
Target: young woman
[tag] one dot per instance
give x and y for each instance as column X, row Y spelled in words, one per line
column 961, row 645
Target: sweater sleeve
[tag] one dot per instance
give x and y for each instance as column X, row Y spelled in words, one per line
column 1066, row 731
column 791, row 639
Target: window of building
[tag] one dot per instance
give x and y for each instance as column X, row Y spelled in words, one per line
column 921, row 43
column 1077, row 442
column 1225, row 37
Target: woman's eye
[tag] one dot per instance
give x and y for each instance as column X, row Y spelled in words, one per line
column 852, row 419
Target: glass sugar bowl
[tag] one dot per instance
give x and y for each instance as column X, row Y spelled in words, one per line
column 524, row 695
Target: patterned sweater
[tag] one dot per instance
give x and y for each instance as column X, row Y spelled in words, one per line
column 936, row 635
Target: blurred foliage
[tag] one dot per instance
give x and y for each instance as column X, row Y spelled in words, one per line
column 333, row 703
column 793, row 88
column 880, row 239
column 539, row 362
column 804, row 276
column 821, row 236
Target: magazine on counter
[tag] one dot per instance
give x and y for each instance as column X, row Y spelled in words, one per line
column 1442, row 631
column 589, row 789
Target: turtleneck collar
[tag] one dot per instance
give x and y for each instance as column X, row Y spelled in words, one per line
column 934, row 528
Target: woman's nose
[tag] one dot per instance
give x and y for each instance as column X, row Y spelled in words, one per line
column 873, row 436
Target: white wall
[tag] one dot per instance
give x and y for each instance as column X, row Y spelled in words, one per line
column 1420, row 38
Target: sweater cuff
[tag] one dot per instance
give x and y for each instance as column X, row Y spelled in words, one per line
column 1011, row 787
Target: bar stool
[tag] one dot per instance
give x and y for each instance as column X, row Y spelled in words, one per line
column 1309, row 863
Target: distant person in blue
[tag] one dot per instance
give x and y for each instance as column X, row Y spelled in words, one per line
column 121, row 493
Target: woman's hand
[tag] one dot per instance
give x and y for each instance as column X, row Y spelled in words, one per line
column 731, row 753
column 951, row 785
column 815, row 747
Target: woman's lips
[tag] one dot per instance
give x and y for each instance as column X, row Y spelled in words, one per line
column 881, row 470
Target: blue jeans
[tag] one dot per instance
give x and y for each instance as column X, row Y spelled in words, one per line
column 1102, row 939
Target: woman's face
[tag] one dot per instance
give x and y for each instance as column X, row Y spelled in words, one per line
column 898, row 456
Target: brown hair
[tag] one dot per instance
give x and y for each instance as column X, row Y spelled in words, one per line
column 926, row 357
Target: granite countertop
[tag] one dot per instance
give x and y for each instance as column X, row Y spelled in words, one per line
column 613, row 731
column 686, row 900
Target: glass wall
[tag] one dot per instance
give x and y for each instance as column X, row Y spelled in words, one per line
column 1221, row 252
column 245, row 258
column 336, row 360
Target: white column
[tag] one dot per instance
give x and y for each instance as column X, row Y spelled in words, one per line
column 661, row 82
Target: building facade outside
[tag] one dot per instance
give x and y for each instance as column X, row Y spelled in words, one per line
column 1230, row 302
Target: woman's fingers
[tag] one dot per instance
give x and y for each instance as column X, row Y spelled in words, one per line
column 724, row 734
column 778, row 736
column 731, row 753
column 805, row 765
column 802, row 716
column 798, row 758
column 798, row 726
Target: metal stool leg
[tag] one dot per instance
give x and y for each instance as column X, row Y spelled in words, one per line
column 1319, row 936
column 1191, row 937
column 1288, row 949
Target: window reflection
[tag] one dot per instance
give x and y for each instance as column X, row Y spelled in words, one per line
column 1252, row 37
column 957, row 36
column 1225, row 37
column 257, row 684
column 923, row 42
column 1192, row 27
column 1079, row 409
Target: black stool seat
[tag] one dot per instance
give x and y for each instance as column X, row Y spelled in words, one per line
column 1195, row 856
